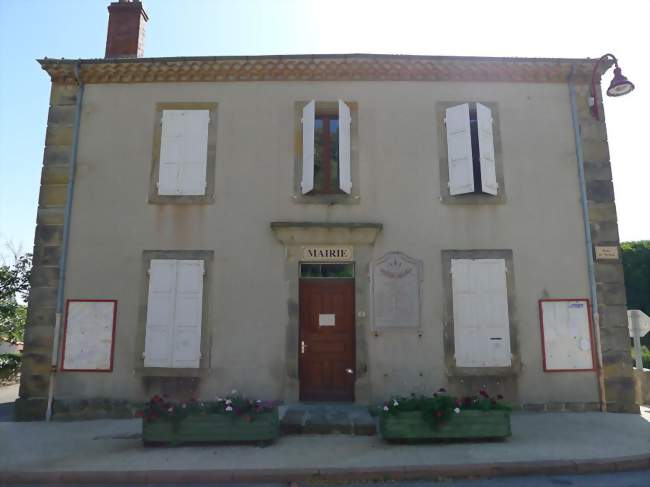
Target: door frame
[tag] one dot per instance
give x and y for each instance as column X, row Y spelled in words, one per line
column 352, row 398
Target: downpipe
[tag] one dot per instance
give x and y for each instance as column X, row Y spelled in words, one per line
column 590, row 249
column 64, row 245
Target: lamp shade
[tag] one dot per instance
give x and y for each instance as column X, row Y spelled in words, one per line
column 620, row 85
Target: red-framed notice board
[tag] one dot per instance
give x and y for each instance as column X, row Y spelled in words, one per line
column 89, row 335
column 567, row 340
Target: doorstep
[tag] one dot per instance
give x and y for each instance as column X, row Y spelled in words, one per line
column 326, row 418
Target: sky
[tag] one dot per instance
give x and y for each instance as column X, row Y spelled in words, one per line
column 31, row 29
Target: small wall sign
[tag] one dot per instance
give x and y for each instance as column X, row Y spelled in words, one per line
column 327, row 253
column 606, row 253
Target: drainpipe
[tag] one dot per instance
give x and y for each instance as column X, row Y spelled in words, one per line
column 590, row 252
column 64, row 245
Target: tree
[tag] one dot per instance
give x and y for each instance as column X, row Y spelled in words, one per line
column 14, row 284
column 636, row 267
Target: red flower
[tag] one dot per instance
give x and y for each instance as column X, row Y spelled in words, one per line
column 483, row 393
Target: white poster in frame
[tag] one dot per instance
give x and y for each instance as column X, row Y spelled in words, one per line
column 89, row 335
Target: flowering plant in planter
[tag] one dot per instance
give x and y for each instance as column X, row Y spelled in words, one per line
column 160, row 408
column 440, row 407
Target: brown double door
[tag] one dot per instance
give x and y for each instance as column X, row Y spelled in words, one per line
column 327, row 340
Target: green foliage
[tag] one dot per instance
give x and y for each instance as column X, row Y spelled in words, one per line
column 14, row 283
column 9, row 366
column 645, row 356
column 440, row 407
column 636, row 267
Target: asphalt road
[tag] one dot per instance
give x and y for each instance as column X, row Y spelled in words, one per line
column 619, row 479
column 8, row 394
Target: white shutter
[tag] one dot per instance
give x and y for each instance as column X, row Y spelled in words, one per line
column 308, row 127
column 171, row 141
column 187, row 320
column 183, row 152
column 486, row 149
column 345, row 178
column 459, row 150
column 160, row 314
column 480, row 308
column 192, row 179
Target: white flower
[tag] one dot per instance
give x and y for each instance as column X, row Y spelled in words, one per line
column 228, row 401
column 395, row 403
column 170, row 410
column 183, row 406
column 228, row 408
column 218, row 399
column 457, row 410
column 258, row 401
column 385, row 408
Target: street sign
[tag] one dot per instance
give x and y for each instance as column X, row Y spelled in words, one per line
column 641, row 318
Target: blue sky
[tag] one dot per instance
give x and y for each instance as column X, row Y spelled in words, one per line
column 31, row 29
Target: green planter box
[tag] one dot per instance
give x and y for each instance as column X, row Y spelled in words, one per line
column 468, row 424
column 213, row 428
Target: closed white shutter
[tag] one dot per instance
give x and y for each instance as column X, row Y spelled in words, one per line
column 345, row 178
column 171, row 142
column 486, row 149
column 160, row 314
column 459, row 150
column 480, row 308
column 187, row 320
column 308, row 127
column 183, row 152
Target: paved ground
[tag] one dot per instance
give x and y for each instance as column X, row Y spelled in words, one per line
column 620, row 479
column 115, row 445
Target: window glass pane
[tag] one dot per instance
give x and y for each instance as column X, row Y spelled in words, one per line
column 319, row 172
column 334, row 154
column 327, row 270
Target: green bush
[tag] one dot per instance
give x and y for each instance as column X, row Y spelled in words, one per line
column 9, row 365
column 645, row 357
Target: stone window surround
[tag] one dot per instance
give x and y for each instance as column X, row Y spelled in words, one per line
column 207, row 257
column 448, row 314
column 471, row 198
column 208, row 197
column 320, row 198
column 293, row 235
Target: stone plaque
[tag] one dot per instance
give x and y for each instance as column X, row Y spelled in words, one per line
column 606, row 253
column 327, row 253
column 395, row 289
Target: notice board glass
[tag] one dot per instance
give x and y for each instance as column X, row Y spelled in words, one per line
column 567, row 341
column 89, row 333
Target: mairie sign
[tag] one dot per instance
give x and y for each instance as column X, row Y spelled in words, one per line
column 327, row 253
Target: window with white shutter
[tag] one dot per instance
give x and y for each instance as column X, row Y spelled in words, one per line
column 183, row 152
column 345, row 178
column 480, row 311
column 470, row 150
column 308, row 123
column 174, row 313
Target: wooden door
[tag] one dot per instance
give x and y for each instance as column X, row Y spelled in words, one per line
column 327, row 340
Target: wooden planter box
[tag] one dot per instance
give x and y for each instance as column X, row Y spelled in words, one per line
column 213, row 428
column 465, row 425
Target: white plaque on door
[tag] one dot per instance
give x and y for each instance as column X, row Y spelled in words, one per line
column 326, row 320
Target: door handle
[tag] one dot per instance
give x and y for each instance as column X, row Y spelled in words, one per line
column 303, row 346
column 349, row 371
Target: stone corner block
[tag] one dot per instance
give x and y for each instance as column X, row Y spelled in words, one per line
column 30, row 409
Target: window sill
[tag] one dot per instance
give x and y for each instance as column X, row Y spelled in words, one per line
column 169, row 372
column 181, row 200
column 327, row 199
column 511, row 371
column 474, row 199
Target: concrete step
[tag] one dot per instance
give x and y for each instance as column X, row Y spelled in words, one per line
column 324, row 419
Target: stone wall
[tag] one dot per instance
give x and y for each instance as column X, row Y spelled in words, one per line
column 41, row 314
column 610, row 285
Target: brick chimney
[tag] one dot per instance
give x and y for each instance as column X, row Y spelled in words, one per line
column 125, row 38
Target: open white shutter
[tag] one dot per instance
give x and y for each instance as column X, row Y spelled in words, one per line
column 459, row 150
column 480, row 308
column 486, row 149
column 345, row 178
column 160, row 314
column 171, row 142
column 187, row 321
column 308, row 127
column 192, row 179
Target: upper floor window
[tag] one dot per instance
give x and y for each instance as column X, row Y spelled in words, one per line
column 326, row 150
column 470, row 149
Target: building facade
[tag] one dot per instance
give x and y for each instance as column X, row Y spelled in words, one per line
column 322, row 228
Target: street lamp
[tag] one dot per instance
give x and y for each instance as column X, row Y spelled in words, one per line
column 619, row 86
